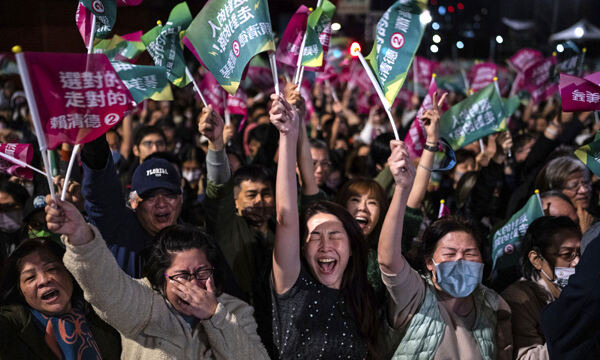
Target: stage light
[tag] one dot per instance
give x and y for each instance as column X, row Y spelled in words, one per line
column 560, row 48
column 336, row 26
column 450, row 9
column 499, row 39
column 425, row 17
column 437, row 39
column 460, row 6
column 435, row 26
column 434, row 49
column 442, row 10
column 579, row 32
column 460, row 44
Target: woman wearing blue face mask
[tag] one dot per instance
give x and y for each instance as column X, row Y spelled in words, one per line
column 443, row 312
column 549, row 254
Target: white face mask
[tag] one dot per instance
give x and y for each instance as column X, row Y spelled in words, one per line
column 562, row 275
column 192, row 176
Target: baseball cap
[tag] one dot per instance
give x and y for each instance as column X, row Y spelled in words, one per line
column 155, row 173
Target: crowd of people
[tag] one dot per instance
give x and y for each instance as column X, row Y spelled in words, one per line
column 272, row 236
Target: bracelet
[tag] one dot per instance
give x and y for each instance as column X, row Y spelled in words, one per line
column 426, row 168
column 432, row 148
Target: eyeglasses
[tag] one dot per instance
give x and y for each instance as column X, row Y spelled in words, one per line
column 200, row 275
column 323, row 163
column 569, row 254
column 574, row 186
column 149, row 144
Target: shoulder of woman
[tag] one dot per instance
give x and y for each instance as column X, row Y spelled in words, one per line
column 13, row 314
column 519, row 292
column 233, row 304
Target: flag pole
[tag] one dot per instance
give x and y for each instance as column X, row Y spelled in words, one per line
column 21, row 163
column 188, row 73
column 299, row 68
column 35, row 115
column 273, row 63
column 441, row 211
column 75, row 151
column 226, row 111
column 332, row 90
column 386, row 105
column 580, row 70
column 539, row 198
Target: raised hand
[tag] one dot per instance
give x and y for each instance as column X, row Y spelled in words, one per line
column 73, row 194
column 293, row 96
column 284, row 116
column 200, row 303
column 62, row 217
column 211, row 125
column 400, row 165
column 431, row 119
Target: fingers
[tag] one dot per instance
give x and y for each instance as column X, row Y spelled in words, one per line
column 210, row 286
column 439, row 104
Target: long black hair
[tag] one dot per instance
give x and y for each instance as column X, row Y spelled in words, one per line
column 177, row 238
column 355, row 289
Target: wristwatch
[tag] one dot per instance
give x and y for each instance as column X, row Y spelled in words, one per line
column 430, row 148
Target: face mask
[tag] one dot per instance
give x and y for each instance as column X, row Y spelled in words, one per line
column 562, row 275
column 34, row 234
column 459, row 278
column 11, row 221
column 192, row 176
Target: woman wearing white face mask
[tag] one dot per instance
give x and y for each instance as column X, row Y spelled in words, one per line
column 444, row 312
column 12, row 200
column 549, row 254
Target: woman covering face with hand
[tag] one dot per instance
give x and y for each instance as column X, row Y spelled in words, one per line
column 323, row 305
column 444, row 312
column 177, row 310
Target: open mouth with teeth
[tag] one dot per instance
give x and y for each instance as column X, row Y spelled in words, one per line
column 327, row 265
column 362, row 221
column 162, row 217
column 50, row 295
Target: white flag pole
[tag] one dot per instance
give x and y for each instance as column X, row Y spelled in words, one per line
column 386, row 105
column 21, row 163
column 332, row 90
column 539, row 198
column 75, row 151
column 188, row 73
column 35, row 115
column 299, row 68
column 226, row 110
column 441, row 211
column 273, row 63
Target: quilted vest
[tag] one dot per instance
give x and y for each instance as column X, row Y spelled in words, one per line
column 426, row 329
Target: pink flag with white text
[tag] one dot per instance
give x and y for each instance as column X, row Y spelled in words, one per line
column 213, row 92
column 579, row 94
column 79, row 97
column 289, row 46
column 481, row 75
column 23, row 152
column 425, row 68
column 521, row 60
column 538, row 79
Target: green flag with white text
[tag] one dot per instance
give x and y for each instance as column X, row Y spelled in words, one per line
column 120, row 49
column 317, row 22
column 144, row 82
column 226, row 34
column 397, row 38
column 590, row 155
column 164, row 44
column 476, row 116
column 507, row 240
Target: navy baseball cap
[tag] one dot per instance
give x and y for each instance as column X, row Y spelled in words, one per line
column 153, row 174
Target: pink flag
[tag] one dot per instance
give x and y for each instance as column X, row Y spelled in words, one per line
column 236, row 104
column 128, row 2
column 538, row 79
column 481, row 75
column 444, row 210
column 416, row 136
column 425, row 68
column 78, row 96
column 521, row 60
column 595, row 78
column 289, row 46
column 404, row 98
column 579, row 94
column 305, row 92
column 23, row 152
column 328, row 74
column 213, row 92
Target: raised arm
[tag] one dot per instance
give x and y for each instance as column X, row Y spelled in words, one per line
column 389, row 250
column 286, row 252
column 305, row 162
column 431, row 120
column 211, row 126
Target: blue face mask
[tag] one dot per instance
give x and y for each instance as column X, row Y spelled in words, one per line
column 459, row 278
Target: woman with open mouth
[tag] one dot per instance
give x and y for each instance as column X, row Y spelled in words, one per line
column 43, row 313
column 323, row 305
column 178, row 310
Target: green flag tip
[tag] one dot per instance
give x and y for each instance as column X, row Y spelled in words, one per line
column 433, row 75
column 584, row 49
column 158, row 22
column 182, row 32
column 17, row 49
column 442, row 201
column 554, row 53
column 537, row 191
column 310, row 9
column 495, row 78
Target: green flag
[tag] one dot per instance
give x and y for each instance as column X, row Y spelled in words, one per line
column 590, row 154
column 507, row 240
column 119, row 49
column 106, row 15
column 164, row 44
column 318, row 20
column 510, row 105
column 226, row 34
column 144, row 82
column 398, row 35
column 476, row 116
column 453, row 83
